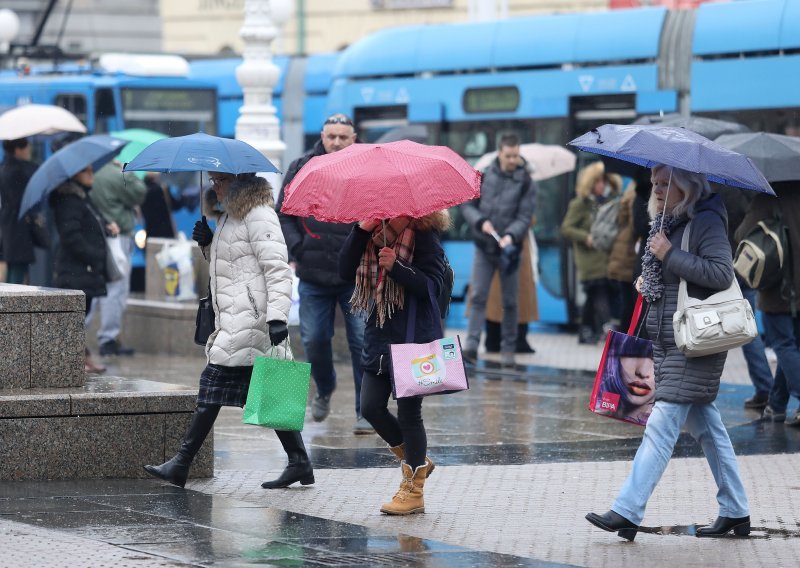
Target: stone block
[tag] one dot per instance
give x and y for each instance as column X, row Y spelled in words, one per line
column 161, row 327
column 29, row 403
column 15, row 298
column 15, row 353
column 57, row 346
column 176, row 426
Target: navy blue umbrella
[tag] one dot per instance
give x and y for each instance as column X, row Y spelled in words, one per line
column 96, row 151
column 200, row 152
column 648, row 145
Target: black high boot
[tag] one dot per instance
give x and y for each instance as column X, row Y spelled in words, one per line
column 176, row 470
column 492, row 341
column 522, row 340
column 299, row 468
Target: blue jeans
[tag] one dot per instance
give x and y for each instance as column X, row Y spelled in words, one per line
column 317, row 315
column 754, row 355
column 783, row 333
column 662, row 431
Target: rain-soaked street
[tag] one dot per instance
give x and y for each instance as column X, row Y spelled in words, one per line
column 519, row 459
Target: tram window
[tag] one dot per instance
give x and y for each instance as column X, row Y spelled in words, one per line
column 76, row 104
column 105, row 113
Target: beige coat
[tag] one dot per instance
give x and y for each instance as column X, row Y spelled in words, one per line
column 527, row 306
column 623, row 258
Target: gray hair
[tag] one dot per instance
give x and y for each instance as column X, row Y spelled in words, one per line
column 694, row 187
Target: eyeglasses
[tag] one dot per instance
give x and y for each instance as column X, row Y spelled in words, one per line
column 217, row 180
column 338, row 119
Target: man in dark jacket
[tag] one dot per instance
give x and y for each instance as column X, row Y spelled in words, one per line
column 314, row 251
column 499, row 219
column 15, row 171
column 780, row 317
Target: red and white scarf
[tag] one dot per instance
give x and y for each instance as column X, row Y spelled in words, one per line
column 374, row 289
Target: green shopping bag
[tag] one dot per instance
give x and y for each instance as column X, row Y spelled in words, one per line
column 278, row 393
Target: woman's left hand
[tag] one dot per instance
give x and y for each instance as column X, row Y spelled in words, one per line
column 386, row 258
column 660, row 245
column 112, row 229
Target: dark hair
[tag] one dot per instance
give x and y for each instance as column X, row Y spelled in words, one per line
column 508, row 141
column 338, row 118
column 10, row 145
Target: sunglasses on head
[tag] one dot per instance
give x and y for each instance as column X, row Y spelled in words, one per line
column 339, row 119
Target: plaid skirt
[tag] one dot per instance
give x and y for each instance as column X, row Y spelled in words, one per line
column 226, row 386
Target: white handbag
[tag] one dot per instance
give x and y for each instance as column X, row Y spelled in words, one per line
column 722, row 321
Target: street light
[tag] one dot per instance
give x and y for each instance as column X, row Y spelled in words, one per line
column 9, row 28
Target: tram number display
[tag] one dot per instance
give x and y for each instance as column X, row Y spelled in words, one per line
column 167, row 99
column 491, row 99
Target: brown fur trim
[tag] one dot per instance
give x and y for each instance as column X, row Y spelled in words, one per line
column 439, row 220
column 590, row 174
column 71, row 188
column 243, row 196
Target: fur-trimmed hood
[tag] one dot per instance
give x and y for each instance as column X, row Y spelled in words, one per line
column 590, row 174
column 70, row 187
column 439, row 220
column 243, row 196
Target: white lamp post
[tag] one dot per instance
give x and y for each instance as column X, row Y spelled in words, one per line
column 9, row 28
column 257, row 123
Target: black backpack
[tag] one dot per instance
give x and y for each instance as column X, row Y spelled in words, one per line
column 763, row 257
column 446, row 292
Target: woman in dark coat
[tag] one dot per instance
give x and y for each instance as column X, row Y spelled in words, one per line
column 81, row 256
column 685, row 387
column 388, row 278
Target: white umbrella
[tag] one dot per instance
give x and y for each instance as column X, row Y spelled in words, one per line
column 29, row 120
column 544, row 160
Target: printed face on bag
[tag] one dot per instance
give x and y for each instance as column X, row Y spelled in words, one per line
column 638, row 376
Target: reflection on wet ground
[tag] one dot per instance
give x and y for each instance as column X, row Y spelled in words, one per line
column 199, row 529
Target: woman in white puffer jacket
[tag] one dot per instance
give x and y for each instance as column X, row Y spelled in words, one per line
column 251, row 290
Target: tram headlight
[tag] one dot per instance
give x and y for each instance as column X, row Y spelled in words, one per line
column 140, row 238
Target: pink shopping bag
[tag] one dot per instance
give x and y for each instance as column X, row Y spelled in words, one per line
column 422, row 369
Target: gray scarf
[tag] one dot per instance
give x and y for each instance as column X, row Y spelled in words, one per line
column 652, row 280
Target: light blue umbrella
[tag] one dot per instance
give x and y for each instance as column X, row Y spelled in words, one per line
column 648, row 145
column 200, row 152
column 96, row 151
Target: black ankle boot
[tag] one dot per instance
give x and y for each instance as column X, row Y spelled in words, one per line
column 299, row 468
column 522, row 340
column 492, row 341
column 614, row 522
column 176, row 470
column 723, row 525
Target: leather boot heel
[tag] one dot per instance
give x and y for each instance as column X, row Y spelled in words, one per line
column 628, row 534
column 742, row 530
column 307, row 480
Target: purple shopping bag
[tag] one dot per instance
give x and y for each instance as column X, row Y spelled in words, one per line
column 421, row 369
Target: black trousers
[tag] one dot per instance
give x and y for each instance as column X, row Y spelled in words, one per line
column 406, row 428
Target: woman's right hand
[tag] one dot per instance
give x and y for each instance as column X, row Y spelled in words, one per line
column 638, row 284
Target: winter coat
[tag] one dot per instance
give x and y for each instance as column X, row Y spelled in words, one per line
column 80, row 262
column 622, row 258
column 251, row 281
column 116, row 195
column 773, row 300
column 591, row 263
column 16, row 234
column 508, row 200
column 313, row 245
column 527, row 306
column 426, row 266
column 707, row 267
column 157, row 211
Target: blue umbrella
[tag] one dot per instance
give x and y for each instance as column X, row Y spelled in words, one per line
column 648, row 145
column 200, row 152
column 96, row 151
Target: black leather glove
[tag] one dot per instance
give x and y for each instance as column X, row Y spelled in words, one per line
column 278, row 331
column 202, row 233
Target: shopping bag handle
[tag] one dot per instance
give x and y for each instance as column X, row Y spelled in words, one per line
column 286, row 350
column 637, row 312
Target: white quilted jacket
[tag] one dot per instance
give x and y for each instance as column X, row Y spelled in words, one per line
column 251, row 281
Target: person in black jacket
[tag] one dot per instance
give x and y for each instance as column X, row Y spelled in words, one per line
column 17, row 242
column 392, row 265
column 81, row 255
column 314, row 251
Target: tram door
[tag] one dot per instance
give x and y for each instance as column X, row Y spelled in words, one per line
column 586, row 113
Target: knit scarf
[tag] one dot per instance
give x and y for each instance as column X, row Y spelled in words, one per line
column 652, row 279
column 374, row 289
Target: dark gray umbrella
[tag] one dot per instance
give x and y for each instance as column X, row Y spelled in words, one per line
column 415, row 132
column 711, row 128
column 776, row 155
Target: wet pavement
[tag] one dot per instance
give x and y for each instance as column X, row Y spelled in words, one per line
column 519, row 459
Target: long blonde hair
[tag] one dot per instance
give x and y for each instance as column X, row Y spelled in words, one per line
column 693, row 186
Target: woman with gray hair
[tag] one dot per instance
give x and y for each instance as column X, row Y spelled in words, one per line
column 685, row 387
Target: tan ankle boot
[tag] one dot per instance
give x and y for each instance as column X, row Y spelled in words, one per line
column 409, row 498
column 400, row 453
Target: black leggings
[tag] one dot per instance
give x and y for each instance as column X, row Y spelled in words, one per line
column 406, row 428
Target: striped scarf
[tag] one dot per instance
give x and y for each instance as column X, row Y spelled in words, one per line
column 373, row 288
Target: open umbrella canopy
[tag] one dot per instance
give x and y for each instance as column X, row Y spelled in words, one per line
column 711, row 128
column 648, row 145
column 95, row 151
column 545, row 160
column 381, row 181
column 776, row 155
column 29, row 120
column 200, row 152
column 138, row 139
